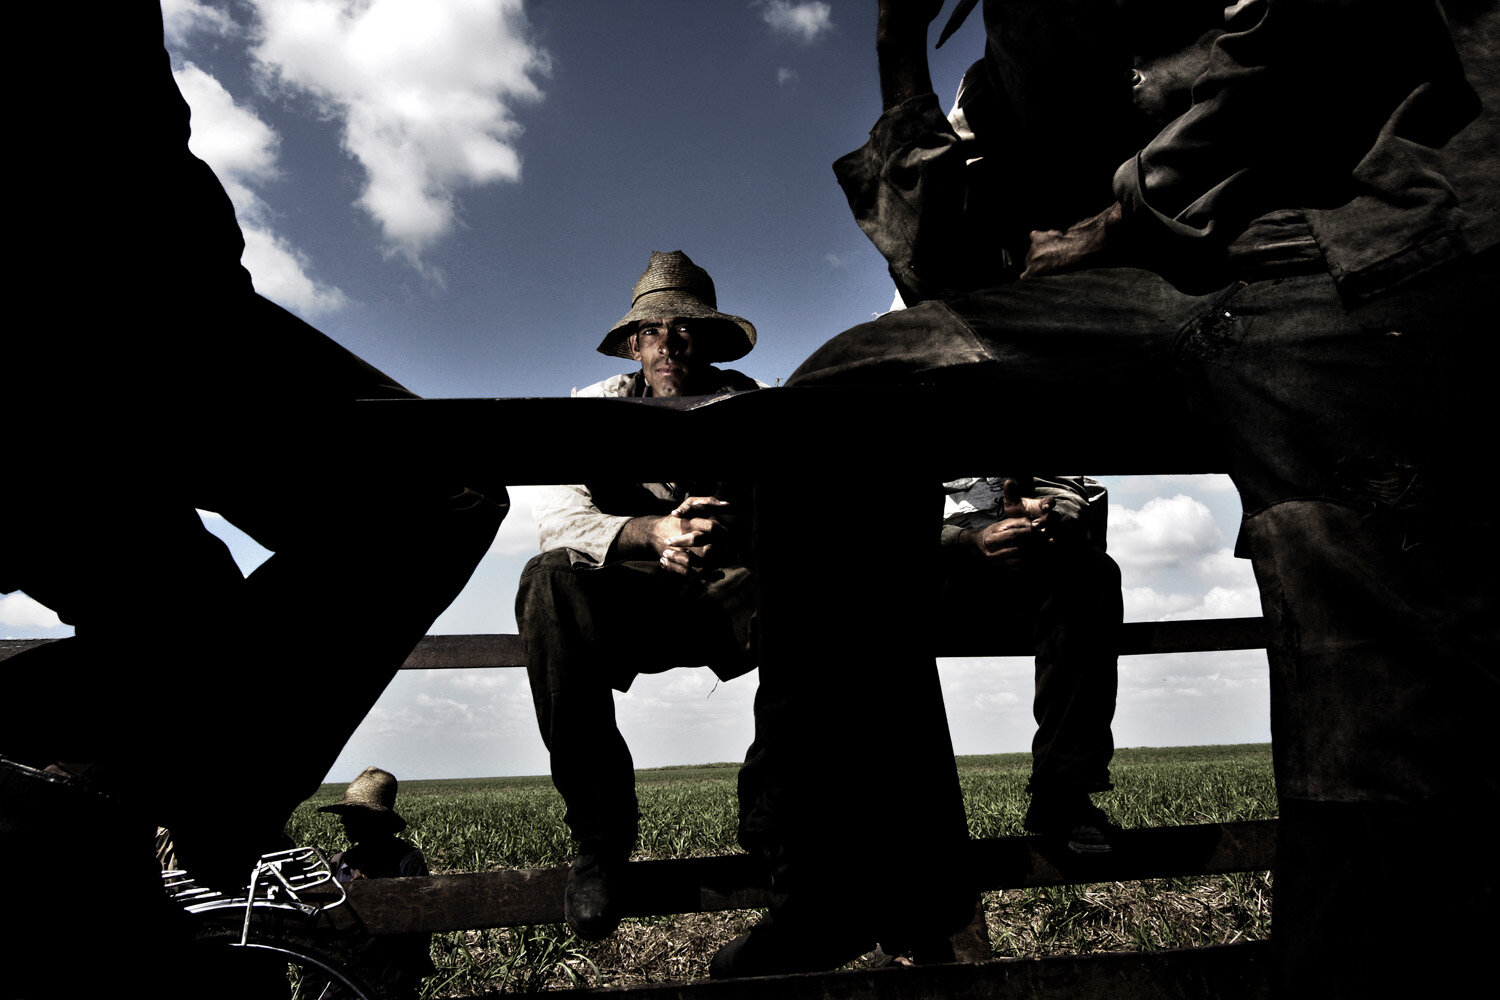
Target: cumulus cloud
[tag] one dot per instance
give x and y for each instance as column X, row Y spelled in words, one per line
column 804, row 22
column 1164, row 532
column 785, row 75
column 1197, row 483
column 183, row 18
column 1146, row 604
column 517, row 535
column 424, row 91
column 242, row 150
column 19, row 610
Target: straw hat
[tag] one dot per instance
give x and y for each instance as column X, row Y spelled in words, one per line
column 673, row 286
column 373, row 793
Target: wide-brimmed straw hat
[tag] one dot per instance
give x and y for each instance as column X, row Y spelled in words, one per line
column 372, row 793
column 673, row 286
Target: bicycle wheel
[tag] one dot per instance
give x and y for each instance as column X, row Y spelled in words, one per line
column 281, row 957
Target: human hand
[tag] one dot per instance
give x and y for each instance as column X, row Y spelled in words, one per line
column 684, row 538
column 1013, row 504
column 1091, row 242
column 1003, row 540
column 1025, row 521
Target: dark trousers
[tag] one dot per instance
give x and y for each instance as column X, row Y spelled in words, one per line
column 588, row 633
column 184, row 674
column 1065, row 600
column 1351, row 414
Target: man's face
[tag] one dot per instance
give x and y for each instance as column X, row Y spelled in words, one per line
column 666, row 349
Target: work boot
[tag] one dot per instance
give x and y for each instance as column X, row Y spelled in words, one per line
column 1072, row 818
column 588, row 902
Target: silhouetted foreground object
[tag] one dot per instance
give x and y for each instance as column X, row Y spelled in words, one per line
column 1282, row 272
column 152, row 380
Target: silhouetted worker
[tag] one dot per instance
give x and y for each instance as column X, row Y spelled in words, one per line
column 1024, row 558
column 1265, row 249
column 634, row 578
column 153, row 380
column 367, row 810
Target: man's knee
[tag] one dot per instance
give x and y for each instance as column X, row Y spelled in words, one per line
column 543, row 580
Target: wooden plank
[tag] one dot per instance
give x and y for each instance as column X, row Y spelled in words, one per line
column 793, row 427
column 440, row 652
column 732, row 882
column 1136, row 638
column 1152, row 852
column 10, row 647
column 1224, row 972
column 534, row 896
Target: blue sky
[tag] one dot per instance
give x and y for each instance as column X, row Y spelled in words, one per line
column 463, row 192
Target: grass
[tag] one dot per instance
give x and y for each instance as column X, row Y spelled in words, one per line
column 492, row 823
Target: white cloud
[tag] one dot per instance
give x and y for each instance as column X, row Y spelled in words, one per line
column 280, row 274
column 425, row 92
column 1231, row 602
column 1197, row 483
column 230, row 138
column 182, row 18
column 1222, row 566
column 1145, row 604
column 805, row 22
column 785, row 75
column 242, row 150
column 1164, row 532
column 517, row 535
column 19, row 610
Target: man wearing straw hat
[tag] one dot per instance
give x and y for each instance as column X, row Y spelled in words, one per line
column 613, row 550
column 368, row 812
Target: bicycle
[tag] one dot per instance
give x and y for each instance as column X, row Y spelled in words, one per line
column 290, row 917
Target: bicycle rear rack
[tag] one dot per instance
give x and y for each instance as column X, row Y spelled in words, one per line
column 279, row 881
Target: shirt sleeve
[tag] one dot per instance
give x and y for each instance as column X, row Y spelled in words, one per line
column 567, row 518
column 977, row 503
column 1295, row 94
column 909, row 188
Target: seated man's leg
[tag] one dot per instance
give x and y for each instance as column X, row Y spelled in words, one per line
column 852, row 765
column 1371, row 528
column 367, row 552
column 1060, row 356
column 1077, row 640
column 1067, row 601
column 587, row 633
column 368, row 548
column 1384, row 693
column 574, row 663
